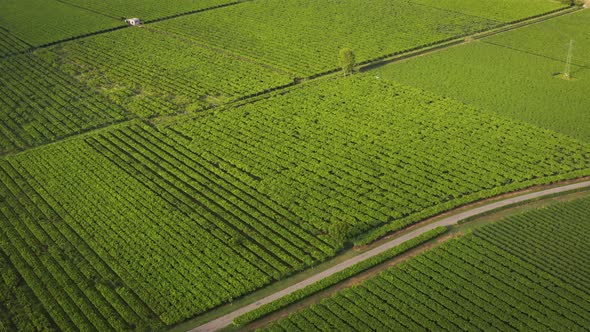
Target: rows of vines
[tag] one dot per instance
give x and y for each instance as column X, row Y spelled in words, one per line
column 154, row 73
column 39, row 104
column 365, row 152
column 146, row 9
column 304, row 36
column 524, row 273
column 40, row 22
column 52, row 278
column 155, row 209
column 10, row 44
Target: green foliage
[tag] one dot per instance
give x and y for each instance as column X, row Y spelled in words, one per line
column 338, row 232
column 10, row 44
column 39, row 22
column 373, row 154
column 528, row 272
column 67, row 285
column 156, row 205
column 163, row 75
column 39, row 104
column 513, row 74
column 347, row 61
column 305, row 36
column 336, row 278
column 147, row 9
column 498, row 10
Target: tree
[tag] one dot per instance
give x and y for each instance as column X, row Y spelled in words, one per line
column 347, row 61
column 339, row 231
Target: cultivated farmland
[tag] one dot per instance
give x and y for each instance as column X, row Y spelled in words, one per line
column 498, row 10
column 209, row 211
column 162, row 76
column 304, row 36
column 528, row 272
column 10, row 43
column 515, row 73
column 147, row 9
column 39, row 104
column 365, row 152
column 168, row 173
column 41, row 22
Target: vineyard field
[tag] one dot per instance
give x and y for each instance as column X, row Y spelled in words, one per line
column 155, row 209
column 10, row 44
column 29, row 20
column 498, row 10
column 551, row 38
column 222, row 160
column 39, row 104
column 365, row 152
column 515, row 74
column 164, row 75
column 147, row 9
column 304, row 36
column 143, row 225
column 527, row 272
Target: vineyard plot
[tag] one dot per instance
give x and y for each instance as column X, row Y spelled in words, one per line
column 514, row 73
column 40, row 22
column 147, row 9
column 551, row 38
column 527, row 272
column 305, row 36
column 39, row 104
column 365, row 152
column 498, row 10
column 151, row 208
column 10, row 44
column 138, row 224
column 54, row 279
column 150, row 72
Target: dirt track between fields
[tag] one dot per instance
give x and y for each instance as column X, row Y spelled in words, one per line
column 226, row 320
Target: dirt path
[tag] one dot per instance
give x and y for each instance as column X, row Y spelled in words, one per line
column 226, row 320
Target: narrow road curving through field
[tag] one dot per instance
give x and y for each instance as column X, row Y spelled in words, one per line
column 226, row 320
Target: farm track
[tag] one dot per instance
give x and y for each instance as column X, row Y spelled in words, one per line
column 227, row 319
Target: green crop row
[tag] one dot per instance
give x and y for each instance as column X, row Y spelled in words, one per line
column 305, row 36
column 10, row 44
column 40, row 22
column 179, row 220
column 336, row 278
column 522, row 273
column 39, row 104
column 54, row 278
column 365, row 153
column 165, row 75
column 147, row 10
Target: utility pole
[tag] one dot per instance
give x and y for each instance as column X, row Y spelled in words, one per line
column 568, row 62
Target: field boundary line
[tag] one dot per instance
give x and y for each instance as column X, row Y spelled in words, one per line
column 227, row 319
